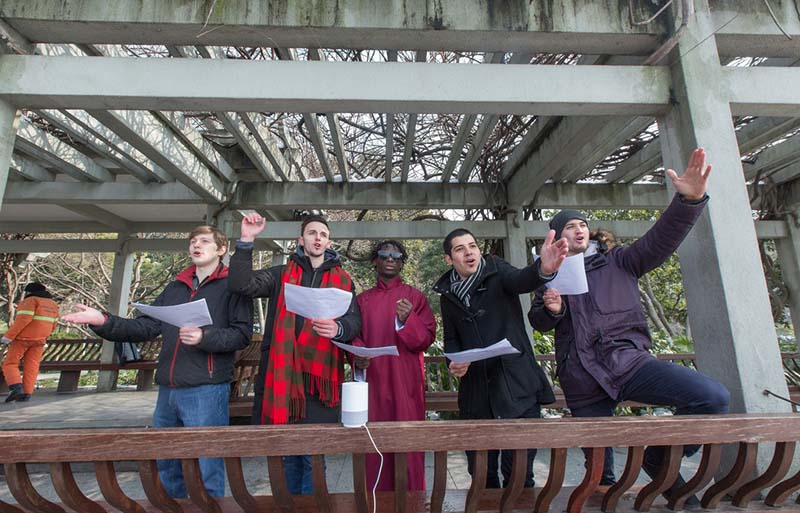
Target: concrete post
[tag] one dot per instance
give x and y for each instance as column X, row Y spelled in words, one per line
column 515, row 249
column 118, row 305
column 9, row 120
column 789, row 259
column 734, row 335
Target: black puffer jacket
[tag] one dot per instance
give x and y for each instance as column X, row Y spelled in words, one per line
column 505, row 386
column 210, row 361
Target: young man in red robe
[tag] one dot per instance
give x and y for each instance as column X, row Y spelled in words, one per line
column 394, row 313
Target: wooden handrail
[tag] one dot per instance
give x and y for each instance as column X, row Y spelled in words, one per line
column 61, row 447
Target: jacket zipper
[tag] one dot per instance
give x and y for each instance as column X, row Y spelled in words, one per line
column 177, row 344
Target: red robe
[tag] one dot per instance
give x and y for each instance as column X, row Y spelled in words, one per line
column 396, row 383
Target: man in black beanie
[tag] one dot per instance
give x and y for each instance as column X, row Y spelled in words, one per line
column 602, row 336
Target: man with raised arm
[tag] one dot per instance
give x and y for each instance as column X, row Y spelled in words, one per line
column 301, row 371
column 480, row 306
column 602, row 337
column 195, row 366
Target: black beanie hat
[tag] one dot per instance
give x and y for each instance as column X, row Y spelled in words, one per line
column 35, row 286
column 562, row 218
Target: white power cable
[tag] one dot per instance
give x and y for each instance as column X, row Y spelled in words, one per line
column 380, row 468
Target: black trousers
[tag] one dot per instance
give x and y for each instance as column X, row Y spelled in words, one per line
column 506, row 459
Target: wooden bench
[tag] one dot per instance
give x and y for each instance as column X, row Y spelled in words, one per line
column 70, row 357
column 777, row 433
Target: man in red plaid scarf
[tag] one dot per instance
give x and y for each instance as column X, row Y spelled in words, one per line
column 301, row 371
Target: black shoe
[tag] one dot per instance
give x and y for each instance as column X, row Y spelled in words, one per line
column 14, row 393
column 608, row 481
column 23, row 398
column 692, row 501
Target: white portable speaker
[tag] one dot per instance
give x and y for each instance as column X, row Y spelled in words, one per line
column 355, row 403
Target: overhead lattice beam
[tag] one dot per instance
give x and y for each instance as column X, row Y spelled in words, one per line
column 61, row 156
column 69, row 193
column 284, row 86
column 29, row 169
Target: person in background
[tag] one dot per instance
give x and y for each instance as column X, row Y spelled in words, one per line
column 37, row 317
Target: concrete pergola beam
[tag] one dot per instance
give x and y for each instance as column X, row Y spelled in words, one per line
column 345, row 230
column 570, row 26
column 294, row 86
column 774, row 158
column 418, row 195
column 57, row 154
column 94, row 226
column 30, row 170
column 73, row 193
column 574, row 26
column 150, row 136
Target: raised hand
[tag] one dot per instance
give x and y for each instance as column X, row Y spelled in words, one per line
column 692, row 184
column 552, row 253
column 85, row 315
column 252, row 225
column 552, row 300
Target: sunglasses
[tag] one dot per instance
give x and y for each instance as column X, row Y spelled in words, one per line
column 385, row 255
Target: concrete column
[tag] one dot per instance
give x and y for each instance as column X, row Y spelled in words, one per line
column 118, row 305
column 734, row 335
column 789, row 258
column 9, row 120
column 515, row 249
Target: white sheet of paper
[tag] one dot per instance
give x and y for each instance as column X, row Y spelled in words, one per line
column 193, row 314
column 482, row 353
column 369, row 352
column 571, row 277
column 327, row 303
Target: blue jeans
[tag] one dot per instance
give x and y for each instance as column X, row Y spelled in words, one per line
column 668, row 384
column 205, row 405
column 297, row 470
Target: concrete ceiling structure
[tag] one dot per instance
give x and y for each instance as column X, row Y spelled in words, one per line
column 136, row 116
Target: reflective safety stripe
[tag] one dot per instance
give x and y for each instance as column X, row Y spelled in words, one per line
column 25, row 312
column 43, row 318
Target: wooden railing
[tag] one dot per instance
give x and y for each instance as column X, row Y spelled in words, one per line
column 103, row 447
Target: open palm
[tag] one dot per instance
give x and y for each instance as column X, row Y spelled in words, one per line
column 692, row 184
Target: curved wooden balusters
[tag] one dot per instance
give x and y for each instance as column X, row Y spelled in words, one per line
column 709, row 463
column 742, row 469
column 67, row 489
column 360, row 482
column 781, row 491
column 594, row 471
column 400, row 481
column 670, row 468
column 321, row 494
column 154, row 490
column 109, row 487
column 633, row 466
column 248, row 502
column 478, row 485
column 22, row 489
column 277, row 480
column 778, row 467
column 516, row 481
column 555, row 479
column 439, row 481
column 193, row 479
column 9, row 508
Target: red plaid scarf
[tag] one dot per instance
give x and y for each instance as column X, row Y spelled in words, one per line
column 303, row 360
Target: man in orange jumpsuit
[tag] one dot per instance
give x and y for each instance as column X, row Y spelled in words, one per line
column 37, row 316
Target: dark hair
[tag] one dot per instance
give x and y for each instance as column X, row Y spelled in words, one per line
column 447, row 245
column 313, row 219
column 385, row 243
column 220, row 239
